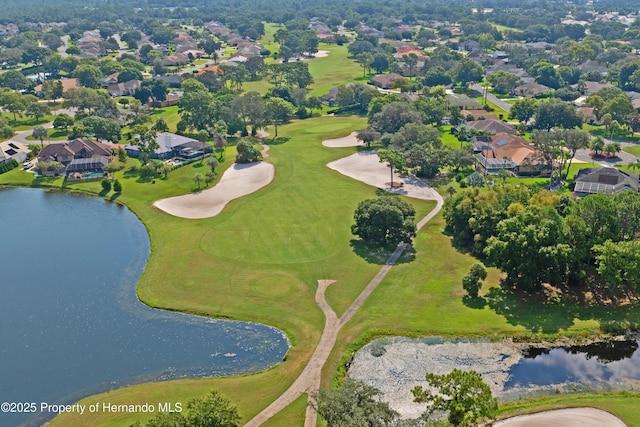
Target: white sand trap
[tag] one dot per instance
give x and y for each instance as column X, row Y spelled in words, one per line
column 321, row 54
column 571, row 417
column 365, row 166
column 346, row 141
column 236, row 182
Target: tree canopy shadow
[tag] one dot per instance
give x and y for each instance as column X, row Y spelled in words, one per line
column 378, row 255
column 277, row 140
column 476, row 302
column 536, row 313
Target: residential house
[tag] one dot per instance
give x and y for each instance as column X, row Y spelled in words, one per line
column 78, row 156
column 491, row 126
column 478, row 115
column 124, row 88
column 604, row 180
column 13, row 150
column 635, row 99
column 530, row 90
column 385, row 81
column 172, row 99
column 67, row 84
column 172, row 80
column 172, row 145
column 508, row 152
column 172, row 60
column 588, row 115
column 111, row 79
column 590, row 65
column 469, row 45
column 463, row 101
column 590, row 88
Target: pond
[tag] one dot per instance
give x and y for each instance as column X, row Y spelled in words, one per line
column 512, row 370
column 70, row 321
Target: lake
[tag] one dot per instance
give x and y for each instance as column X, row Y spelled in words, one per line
column 70, row 321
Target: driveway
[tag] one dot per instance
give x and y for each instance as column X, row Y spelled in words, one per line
column 491, row 97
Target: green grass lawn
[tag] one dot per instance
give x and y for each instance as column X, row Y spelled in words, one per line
column 260, row 260
column 334, row 70
column 25, row 122
column 635, row 150
column 54, row 135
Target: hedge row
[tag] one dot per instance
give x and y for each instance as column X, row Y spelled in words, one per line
column 8, row 165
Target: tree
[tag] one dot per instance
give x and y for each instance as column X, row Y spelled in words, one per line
column 394, row 158
column 88, row 75
column 463, row 394
column 41, row 133
column 466, row 71
column 471, row 281
column 556, row 113
column 37, row 110
column 619, row 266
column 530, row 248
column 198, row 178
column 354, row 404
column 426, row 161
column 247, row 153
column 365, row 59
column 52, row 89
column 14, row 80
column 387, row 220
column 279, row 111
column 368, row 135
column 503, row 82
column 597, row 145
column 523, row 109
column 117, row 187
column 213, row 164
column 63, row 121
column 13, row 102
column 393, row 116
column 212, row 411
column 380, row 63
column 145, row 141
column 103, row 128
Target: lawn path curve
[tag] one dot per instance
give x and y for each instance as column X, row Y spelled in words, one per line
column 309, row 379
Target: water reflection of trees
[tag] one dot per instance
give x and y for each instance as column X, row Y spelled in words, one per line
column 603, row 352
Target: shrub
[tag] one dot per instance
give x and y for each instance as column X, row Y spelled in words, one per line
column 106, row 185
column 8, row 165
column 117, row 187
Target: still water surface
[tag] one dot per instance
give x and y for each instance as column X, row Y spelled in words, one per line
column 70, row 321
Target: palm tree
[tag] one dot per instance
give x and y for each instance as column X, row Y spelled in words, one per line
column 198, row 178
column 213, row 163
column 41, row 133
column 504, row 174
column 451, row 191
column 597, row 145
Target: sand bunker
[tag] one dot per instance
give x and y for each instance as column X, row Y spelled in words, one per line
column 571, row 417
column 236, row 182
column 346, row 141
column 321, row 54
column 365, row 166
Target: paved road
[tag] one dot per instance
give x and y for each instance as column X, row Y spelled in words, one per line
column 491, row 97
column 309, row 379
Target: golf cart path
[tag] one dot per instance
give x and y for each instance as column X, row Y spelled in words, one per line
column 309, row 379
